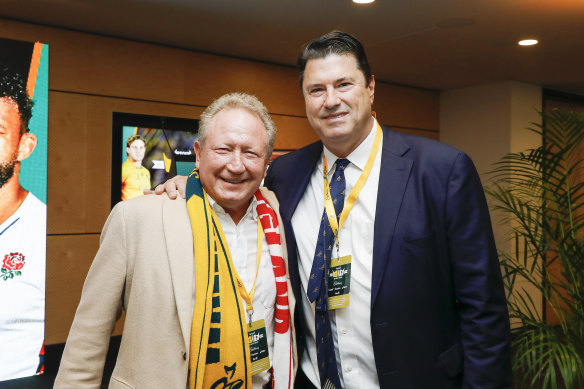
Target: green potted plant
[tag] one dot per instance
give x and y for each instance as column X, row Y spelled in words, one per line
column 541, row 192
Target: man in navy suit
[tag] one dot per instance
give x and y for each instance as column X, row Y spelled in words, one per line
column 426, row 304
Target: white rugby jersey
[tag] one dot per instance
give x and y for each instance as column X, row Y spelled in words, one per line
column 22, row 289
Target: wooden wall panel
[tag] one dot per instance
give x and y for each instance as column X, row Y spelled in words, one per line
column 293, row 132
column 66, row 175
column 425, row 133
column 407, row 107
column 113, row 67
column 69, row 259
column 88, row 63
column 208, row 77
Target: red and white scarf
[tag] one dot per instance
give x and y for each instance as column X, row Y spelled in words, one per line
column 283, row 375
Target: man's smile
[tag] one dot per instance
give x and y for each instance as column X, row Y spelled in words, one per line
column 334, row 116
column 232, row 181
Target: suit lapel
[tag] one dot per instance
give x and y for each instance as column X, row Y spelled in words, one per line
column 289, row 196
column 304, row 164
column 179, row 246
column 393, row 178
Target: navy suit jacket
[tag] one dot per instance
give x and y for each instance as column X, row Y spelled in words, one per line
column 438, row 310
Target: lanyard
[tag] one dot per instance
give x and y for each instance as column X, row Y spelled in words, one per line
column 245, row 295
column 328, row 203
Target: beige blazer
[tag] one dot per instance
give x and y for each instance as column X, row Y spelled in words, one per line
column 145, row 266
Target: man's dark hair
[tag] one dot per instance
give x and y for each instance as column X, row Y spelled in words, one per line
column 339, row 43
column 13, row 86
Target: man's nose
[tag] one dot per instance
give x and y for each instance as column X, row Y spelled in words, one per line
column 332, row 98
column 235, row 164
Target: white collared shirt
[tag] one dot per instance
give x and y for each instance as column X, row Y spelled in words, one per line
column 350, row 326
column 242, row 241
column 22, row 296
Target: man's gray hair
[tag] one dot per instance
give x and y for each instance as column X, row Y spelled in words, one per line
column 238, row 100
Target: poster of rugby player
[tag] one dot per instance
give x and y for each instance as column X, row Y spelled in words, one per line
column 149, row 150
column 23, row 210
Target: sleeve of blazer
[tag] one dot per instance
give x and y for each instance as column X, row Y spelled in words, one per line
column 86, row 348
column 477, row 281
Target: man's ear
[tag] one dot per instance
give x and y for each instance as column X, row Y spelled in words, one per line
column 371, row 88
column 26, row 146
column 265, row 170
column 197, row 148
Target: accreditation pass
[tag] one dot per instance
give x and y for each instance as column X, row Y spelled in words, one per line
column 258, row 346
column 339, row 282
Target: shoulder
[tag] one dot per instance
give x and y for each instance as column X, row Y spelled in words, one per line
column 126, row 167
column 298, row 162
column 422, row 151
column 269, row 196
column 33, row 210
column 148, row 208
column 416, row 143
column 32, row 216
column 289, row 160
column 32, row 202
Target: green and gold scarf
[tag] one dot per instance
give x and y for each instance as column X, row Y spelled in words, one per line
column 219, row 351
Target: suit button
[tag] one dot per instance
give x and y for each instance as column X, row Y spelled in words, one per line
column 185, row 356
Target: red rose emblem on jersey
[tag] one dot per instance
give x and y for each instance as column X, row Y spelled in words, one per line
column 11, row 265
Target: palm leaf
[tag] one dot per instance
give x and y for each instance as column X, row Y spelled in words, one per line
column 541, row 195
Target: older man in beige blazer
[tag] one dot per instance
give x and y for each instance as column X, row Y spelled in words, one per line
column 145, row 264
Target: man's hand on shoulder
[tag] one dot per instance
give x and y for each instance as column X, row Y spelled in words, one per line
column 173, row 187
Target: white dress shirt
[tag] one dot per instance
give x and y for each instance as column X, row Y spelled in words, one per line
column 22, row 297
column 351, row 327
column 242, row 241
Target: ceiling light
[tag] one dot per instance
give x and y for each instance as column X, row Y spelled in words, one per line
column 528, row 42
column 363, row 1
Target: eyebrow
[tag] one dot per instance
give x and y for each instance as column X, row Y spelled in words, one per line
column 336, row 81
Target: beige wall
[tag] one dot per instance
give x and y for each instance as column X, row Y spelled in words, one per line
column 488, row 122
column 92, row 76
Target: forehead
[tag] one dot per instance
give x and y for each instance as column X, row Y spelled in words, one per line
column 238, row 127
column 9, row 116
column 237, row 119
column 331, row 67
column 137, row 143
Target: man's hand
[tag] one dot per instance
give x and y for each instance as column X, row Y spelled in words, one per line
column 173, row 187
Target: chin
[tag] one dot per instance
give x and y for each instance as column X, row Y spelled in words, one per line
column 235, row 198
column 338, row 135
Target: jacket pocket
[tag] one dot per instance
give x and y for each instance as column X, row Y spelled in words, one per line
column 452, row 360
column 420, row 245
column 115, row 383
